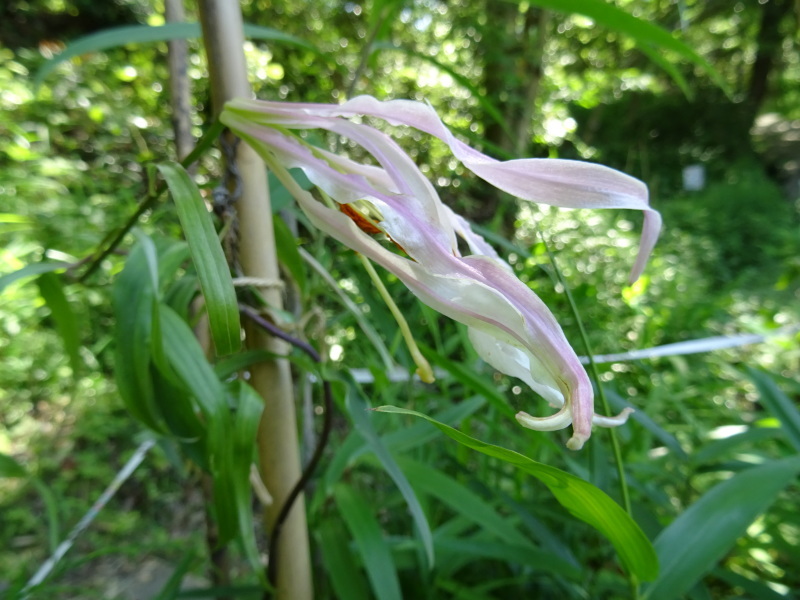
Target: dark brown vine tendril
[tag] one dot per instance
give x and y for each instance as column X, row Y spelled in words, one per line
column 272, row 569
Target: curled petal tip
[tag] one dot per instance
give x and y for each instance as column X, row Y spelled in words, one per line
column 616, row 421
column 577, row 441
column 560, row 420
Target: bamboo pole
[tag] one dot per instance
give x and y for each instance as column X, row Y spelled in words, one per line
column 180, row 93
column 277, row 436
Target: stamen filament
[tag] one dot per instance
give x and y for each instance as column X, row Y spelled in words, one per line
column 424, row 369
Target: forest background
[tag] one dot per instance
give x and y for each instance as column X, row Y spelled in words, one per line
column 514, row 79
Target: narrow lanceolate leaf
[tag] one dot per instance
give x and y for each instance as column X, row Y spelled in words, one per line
column 66, row 323
column 510, row 544
column 208, row 257
column 582, row 499
column 30, row 271
column 148, row 34
column 343, row 572
column 133, row 299
column 779, row 404
column 703, row 534
column 373, row 549
column 357, row 407
column 249, row 407
column 642, row 32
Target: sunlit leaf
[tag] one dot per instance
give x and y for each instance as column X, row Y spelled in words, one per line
column 643, row 32
column 148, row 34
column 30, row 271
column 694, row 542
column 582, row 499
column 779, row 404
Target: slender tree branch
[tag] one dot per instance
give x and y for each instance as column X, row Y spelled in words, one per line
column 149, row 200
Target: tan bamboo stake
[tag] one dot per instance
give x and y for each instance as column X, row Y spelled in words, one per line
column 277, row 437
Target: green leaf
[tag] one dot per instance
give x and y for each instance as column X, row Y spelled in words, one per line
column 343, row 572
column 617, row 403
column 66, row 322
column 209, row 259
column 375, row 553
column 9, row 467
column 509, row 552
column 402, row 440
column 644, row 33
column 249, row 407
column 582, row 499
column 779, row 404
column 51, row 505
column 279, row 196
column 133, row 298
column 225, row 434
column 464, row 501
column 715, row 449
column 288, row 254
column 30, row 271
column 358, row 407
column 173, row 584
column 148, row 34
column 692, row 544
column 189, row 363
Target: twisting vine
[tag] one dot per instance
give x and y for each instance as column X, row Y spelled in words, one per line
column 309, row 469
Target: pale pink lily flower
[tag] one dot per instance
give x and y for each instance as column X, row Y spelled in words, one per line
column 509, row 326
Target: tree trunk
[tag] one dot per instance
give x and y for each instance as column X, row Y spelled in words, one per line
column 768, row 42
column 180, row 94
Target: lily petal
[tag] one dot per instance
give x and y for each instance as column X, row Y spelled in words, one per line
column 557, row 182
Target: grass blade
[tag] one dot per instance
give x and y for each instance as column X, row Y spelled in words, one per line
column 358, row 407
column 148, row 34
column 30, row 271
column 245, row 424
column 779, row 404
column 345, row 577
column 375, row 553
column 464, row 501
column 133, row 300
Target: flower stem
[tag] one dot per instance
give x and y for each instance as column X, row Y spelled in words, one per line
column 615, row 447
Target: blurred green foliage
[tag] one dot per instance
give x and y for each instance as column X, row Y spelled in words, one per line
column 531, row 82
